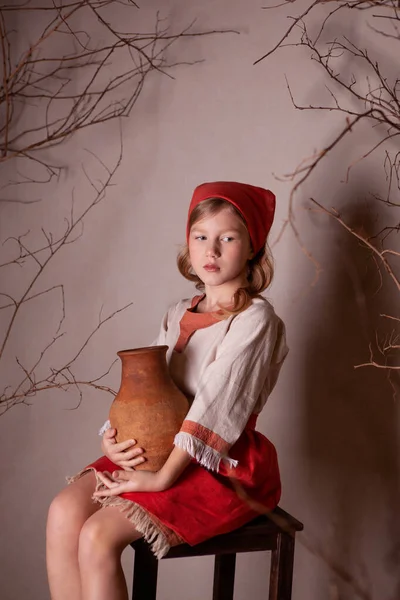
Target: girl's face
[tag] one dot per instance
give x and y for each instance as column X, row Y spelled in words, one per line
column 219, row 248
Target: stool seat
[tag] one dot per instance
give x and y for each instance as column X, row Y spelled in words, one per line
column 274, row 532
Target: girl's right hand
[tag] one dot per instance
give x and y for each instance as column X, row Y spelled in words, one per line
column 122, row 454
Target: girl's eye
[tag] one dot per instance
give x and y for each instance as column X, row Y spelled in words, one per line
column 227, row 238
column 200, row 237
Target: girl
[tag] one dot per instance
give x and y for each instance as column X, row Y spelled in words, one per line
column 226, row 347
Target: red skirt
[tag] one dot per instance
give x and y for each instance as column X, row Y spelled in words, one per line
column 202, row 504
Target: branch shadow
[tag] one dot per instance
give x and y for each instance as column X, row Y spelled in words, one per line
column 350, row 428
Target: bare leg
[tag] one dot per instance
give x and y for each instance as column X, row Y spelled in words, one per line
column 67, row 515
column 103, row 538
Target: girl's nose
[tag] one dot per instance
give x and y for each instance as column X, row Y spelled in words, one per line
column 213, row 251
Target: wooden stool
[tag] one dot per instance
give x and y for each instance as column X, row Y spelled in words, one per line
column 275, row 533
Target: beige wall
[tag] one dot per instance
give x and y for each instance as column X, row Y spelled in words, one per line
column 336, row 429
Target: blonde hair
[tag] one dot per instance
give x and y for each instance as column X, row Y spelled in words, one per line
column 260, row 267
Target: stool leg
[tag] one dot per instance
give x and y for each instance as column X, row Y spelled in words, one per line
column 280, row 582
column 224, row 576
column 144, row 573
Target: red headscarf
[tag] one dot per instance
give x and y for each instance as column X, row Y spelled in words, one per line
column 256, row 205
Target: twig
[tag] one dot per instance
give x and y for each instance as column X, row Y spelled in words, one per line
column 373, row 97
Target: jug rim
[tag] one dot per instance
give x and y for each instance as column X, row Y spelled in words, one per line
column 131, row 351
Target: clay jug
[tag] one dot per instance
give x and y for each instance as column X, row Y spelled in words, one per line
column 148, row 408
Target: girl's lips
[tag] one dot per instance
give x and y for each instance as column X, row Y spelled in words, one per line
column 211, row 268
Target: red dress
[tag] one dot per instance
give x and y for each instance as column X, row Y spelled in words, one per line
column 202, row 504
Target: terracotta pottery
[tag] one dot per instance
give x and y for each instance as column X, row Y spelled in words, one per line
column 148, row 408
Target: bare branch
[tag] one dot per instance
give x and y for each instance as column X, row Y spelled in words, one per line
column 27, row 77
column 92, row 80
column 368, row 94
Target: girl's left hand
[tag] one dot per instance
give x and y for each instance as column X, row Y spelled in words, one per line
column 121, row 482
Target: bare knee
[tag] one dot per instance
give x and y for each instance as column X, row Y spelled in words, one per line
column 70, row 509
column 97, row 548
column 103, row 538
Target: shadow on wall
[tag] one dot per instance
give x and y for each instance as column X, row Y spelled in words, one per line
column 351, row 418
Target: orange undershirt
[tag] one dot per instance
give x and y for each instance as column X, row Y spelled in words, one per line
column 192, row 320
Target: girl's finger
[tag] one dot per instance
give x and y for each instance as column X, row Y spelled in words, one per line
column 122, row 477
column 121, row 446
column 102, row 493
column 119, row 457
column 128, row 454
column 110, row 433
column 115, row 491
column 106, row 474
column 132, row 463
column 107, row 480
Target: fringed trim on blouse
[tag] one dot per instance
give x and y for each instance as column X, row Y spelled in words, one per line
column 138, row 516
column 205, row 455
column 105, row 427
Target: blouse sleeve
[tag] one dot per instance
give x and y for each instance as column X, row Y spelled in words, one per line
column 247, row 363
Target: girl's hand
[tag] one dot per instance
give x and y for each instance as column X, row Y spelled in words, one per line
column 122, row 454
column 145, row 481
column 122, row 481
